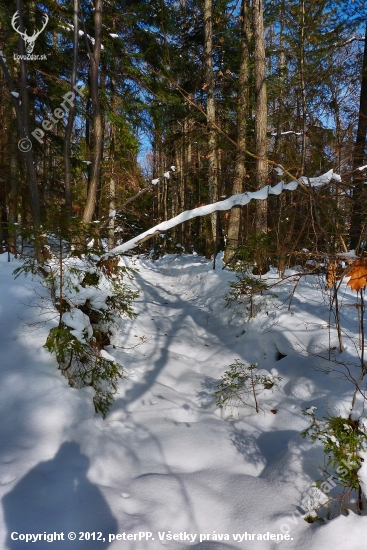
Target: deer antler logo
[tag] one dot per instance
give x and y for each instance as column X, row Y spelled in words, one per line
column 28, row 40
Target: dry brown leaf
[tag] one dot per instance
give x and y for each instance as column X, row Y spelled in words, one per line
column 330, row 275
column 358, row 275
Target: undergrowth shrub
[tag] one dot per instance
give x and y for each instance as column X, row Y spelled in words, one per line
column 256, row 250
column 90, row 295
column 343, row 440
column 247, row 287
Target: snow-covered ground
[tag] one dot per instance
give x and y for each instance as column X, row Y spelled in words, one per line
column 167, row 461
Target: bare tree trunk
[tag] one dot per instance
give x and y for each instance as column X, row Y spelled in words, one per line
column 12, row 202
column 303, row 87
column 282, row 69
column 112, row 184
column 112, row 206
column 187, row 164
column 240, row 166
column 358, row 215
column 33, row 186
column 261, row 113
column 97, row 117
column 69, row 127
column 210, row 111
column 4, row 232
column 22, row 115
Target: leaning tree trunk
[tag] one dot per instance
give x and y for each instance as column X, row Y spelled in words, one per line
column 210, row 111
column 358, row 215
column 261, row 113
column 240, row 166
column 97, row 117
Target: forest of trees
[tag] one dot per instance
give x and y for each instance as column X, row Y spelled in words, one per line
column 209, row 98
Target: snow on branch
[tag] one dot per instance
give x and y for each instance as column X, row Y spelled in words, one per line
column 293, row 132
column 235, row 200
column 350, row 40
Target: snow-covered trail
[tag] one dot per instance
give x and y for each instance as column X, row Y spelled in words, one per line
column 166, row 459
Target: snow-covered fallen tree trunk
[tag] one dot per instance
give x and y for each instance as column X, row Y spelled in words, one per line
column 235, row 200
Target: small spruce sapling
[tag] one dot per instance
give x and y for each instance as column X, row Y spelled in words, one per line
column 246, row 286
column 240, row 383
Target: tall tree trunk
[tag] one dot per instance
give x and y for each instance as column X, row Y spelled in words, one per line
column 97, row 117
column 69, row 127
column 240, row 166
column 358, row 215
column 210, row 111
column 261, row 113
